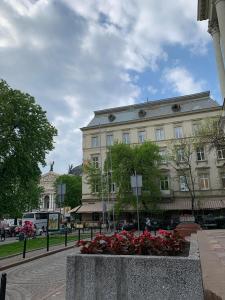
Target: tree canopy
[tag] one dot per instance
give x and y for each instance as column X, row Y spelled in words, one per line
column 73, row 194
column 122, row 161
column 26, row 136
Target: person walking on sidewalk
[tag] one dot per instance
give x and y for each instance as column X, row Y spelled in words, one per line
column 2, row 231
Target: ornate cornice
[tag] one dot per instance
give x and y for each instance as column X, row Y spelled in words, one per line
column 213, row 27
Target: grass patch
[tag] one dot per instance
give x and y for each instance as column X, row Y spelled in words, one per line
column 38, row 243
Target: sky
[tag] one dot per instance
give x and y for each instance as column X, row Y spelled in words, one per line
column 78, row 56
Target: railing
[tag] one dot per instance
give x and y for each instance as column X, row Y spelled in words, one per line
column 3, row 286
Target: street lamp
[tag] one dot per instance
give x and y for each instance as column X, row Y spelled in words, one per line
column 136, row 184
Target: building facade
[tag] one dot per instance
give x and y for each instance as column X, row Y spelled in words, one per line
column 214, row 11
column 48, row 197
column 162, row 122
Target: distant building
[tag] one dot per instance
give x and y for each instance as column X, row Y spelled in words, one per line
column 159, row 121
column 48, row 197
column 77, row 171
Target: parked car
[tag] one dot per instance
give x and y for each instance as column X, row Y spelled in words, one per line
column 207, row 221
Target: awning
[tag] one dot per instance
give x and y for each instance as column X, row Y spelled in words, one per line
column 176, row 205
column 74, row 209
column 94, row 207
column 211, row 204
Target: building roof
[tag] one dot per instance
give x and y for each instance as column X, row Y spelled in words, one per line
column 153, row 109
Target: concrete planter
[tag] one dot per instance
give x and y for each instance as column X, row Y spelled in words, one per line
column 114, row 277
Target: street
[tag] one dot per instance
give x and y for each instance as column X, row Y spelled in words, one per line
column 38, row 280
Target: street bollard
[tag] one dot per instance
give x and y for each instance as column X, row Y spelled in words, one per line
column 3, row 286
column 100, row 227
column 91, row 233
column 79, row 235
column 66, row 237
column 24, row 247
column 47, row 241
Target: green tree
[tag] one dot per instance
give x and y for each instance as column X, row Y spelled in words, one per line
column 26, row 137
column 121, row 162
column 210, row 132
column 73, row 194
column 182, row 159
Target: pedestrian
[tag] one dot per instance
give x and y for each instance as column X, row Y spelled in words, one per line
column 2, row 232
column 148, row 224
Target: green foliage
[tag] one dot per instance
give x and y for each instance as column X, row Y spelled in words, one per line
column 26, row 137
column 73, row 194
column 211, row 133
column 124, row 160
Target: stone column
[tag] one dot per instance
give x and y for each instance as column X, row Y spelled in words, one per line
column 220, row 10
column 214, row 31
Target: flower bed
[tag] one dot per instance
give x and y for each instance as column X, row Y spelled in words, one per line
column 127, row 243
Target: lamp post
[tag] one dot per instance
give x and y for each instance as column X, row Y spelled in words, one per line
column 136, row 184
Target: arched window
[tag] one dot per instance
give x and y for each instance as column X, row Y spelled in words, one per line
column 46, row 202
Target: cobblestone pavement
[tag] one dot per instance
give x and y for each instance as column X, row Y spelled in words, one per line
column 42, row 279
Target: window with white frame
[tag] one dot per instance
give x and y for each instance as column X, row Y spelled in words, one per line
column 195, row 127
column 94, row 141
column 221, row 153
column 95, row 161
column 113, row 187
column 180, row 155
column 204, row 182
column 96, row 188
column 162, row 153
column 200, row 153
column 178, row 132
column 164, row 183
column 223, row 180
column 109, row 139
column 141, row 136
column 126, row 138
column 159, row 134
column 183, row 184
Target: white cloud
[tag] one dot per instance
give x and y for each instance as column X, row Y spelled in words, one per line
column 181, row 81
column 152, row 90
column 77, row 56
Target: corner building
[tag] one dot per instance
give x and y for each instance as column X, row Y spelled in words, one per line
column 161, row 122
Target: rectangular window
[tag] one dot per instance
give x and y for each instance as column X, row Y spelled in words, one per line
column 162, row 153
column 195, row 128
column 223, row 180
column 200, row 153
column 141, row 136
column 95, row 161
column 164, row 183
column 178, row 132
column 109, row 139
column 180, row 155
column 126, row 138
column 96, row 188
column 204, row 182
column 159, row 134
column 113, row 187
column 221, row 153
column 94, row 141
column 183, row 184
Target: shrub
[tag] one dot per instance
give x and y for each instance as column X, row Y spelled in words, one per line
column 126, row 243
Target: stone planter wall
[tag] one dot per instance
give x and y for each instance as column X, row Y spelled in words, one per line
column 114, row 277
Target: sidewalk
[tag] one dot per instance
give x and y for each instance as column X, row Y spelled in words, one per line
column 212, row 255
column 32, row 254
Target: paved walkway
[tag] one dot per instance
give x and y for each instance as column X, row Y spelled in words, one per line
column 212, row 255
column 42, row 279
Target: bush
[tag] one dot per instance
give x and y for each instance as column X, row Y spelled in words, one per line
column 126, row 243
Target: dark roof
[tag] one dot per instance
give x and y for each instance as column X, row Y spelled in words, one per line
column 153, row 109
column 77, row 170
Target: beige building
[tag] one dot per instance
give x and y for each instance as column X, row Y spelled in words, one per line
column 48, row 197
column 214, row 11
column 159, row 121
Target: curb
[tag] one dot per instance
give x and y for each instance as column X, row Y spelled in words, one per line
column 15, row 264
